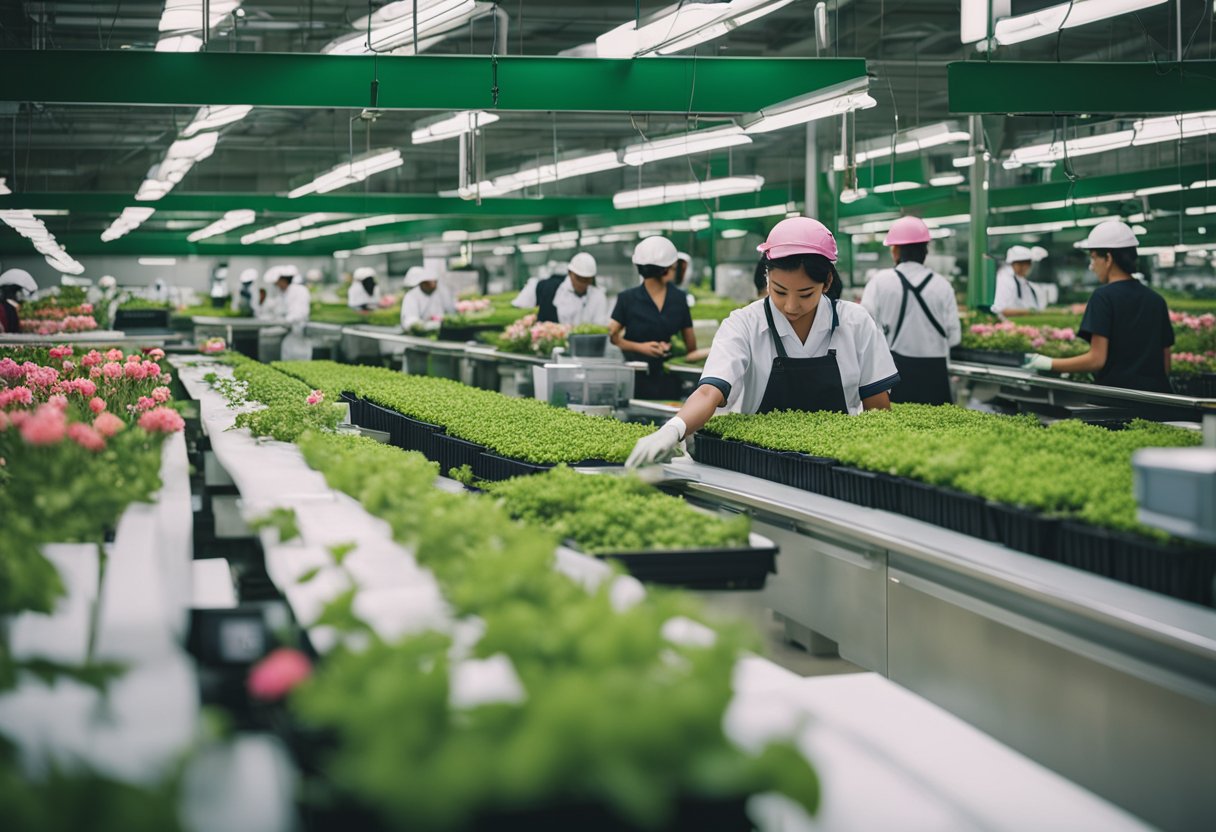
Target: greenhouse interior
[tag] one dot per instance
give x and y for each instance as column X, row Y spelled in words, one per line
column 778, row 415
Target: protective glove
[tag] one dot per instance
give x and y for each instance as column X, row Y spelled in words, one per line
column 432, row 326
column 658, row 446
column 1034, row 361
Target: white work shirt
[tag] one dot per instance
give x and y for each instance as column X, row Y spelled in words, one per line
column 741, row 357
column 292, row 306
column 574, row 309
column 917, row 339
column 1013, row 292
column 526, row 299
column 357, row 297
column 419, row 307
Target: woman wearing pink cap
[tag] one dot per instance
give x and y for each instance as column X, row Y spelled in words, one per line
column 797, row 349
column 917, row 311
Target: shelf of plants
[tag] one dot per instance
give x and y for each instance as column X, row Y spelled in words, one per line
column 476, row 721
column 1062, row 492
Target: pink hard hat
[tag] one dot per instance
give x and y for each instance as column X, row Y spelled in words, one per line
column 907, row 230
column 799, row 235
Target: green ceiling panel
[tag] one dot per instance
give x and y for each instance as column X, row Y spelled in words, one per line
column 424, row 82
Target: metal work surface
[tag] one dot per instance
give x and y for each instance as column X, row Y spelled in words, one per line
column 1110, row 685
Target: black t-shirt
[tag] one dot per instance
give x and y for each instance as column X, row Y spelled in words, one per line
column 643, row 321
column 1137, row 322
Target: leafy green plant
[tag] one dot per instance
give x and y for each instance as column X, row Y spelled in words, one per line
column 281, row 519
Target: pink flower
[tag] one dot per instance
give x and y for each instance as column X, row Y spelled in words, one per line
column 156, row 353
column 43, row 377
column 145, row 403
column 97, row 404
column 133, row 359
column 135, row 371
column 59, row 400
column 162, row 420
column 114, row 355
column 91, row 359
column 4, row 421
column 62, row 351
column 161, row 394
column 10, row 369
column 112, row 369
column 86, row 437
column 151, row 369
column 85, row 387
column 46, row 426
column 86, row 308
column 212, row 345
column 316, row 397
column 17, row 395
column 94, row 372
column 107, row 424
column 165, row 378
column 68, row 366
column 273, row 677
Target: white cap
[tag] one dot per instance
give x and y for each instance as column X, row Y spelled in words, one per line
column 685, row 256
column 249, row 275
column 19, row 277
column 1018, row 254
column 1038, row 253
column 314, row 275
column 417, row 275
column 108, row 281
column 1110, row 234
column 582, row 264
column 364, row 271
column 655, row 251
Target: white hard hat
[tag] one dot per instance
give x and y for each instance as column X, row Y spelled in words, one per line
column 1110, row 234
column 417, row 275
column 582, row 264
column 685, row 256
column 249, row 275
column 314, row 275
column 364, row 271
column 291, row 272
column 107, row 281
column 1018, row 254
column 271, row 274
column 655, row 251
column 1038, row 253
column 19, row 277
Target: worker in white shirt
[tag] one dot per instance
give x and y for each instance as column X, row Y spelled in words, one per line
column 364, row 293
column 1014, row 293
column 426, row 302
column 683, row 273
column 246, row 299
column 917, row 312
column 575, row 299
column 293, row 307
column 797, row 349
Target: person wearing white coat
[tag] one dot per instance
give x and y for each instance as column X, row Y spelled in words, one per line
column 293, row 307
column 426, row 302
column 1014, row 293
column 364, row 293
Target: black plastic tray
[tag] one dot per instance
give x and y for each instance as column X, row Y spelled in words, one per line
column 1025, row 530
column 1202, row 386
column 452, row 452
column 495, row 467
column 947, row 508
column 1000, row 359
column 125, row 319
column 742, row 568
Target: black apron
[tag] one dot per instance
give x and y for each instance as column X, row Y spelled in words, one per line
column 546, row 292
column 1017, row 283
column 922, row 380
column 803, row 383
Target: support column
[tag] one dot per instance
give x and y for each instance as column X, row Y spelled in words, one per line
column 981, row 283
column 811, row 189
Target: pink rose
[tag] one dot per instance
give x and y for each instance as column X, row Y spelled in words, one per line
column 107, row 424
column 97, row 404
column 161, row 394
column 135, row 371
column 46, row 426
column 112, row 369
column 145, row 403
column 273, row 677
column 162, row 420
column 316, row 397
column 86, row 437
column 114, row 355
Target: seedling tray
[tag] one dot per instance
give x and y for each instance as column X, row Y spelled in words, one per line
column 453, row 452
column 465, row 333
column 494, row 467
column 1025, row 530
column 1185, row 572
column 947, row 508
column 1085, row 547
column 740, row 568
column 1202, row 386
column 125, row 319
column 1001, row 359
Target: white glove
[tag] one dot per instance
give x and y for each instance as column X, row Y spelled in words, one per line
column 1034, row 361
column 432, row 326
column 658, row 446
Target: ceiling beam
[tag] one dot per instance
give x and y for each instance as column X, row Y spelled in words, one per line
column 1046, row 88
column 422, row 82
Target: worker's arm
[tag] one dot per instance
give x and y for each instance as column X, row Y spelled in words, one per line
column 616, row 332
column 1090, row 362
column 879, row 401
column 690, row 338
column 1169, row 360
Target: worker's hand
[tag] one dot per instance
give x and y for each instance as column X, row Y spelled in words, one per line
column 1034, row 361
column 657, row 349
column 432, row 326
column 658, row 446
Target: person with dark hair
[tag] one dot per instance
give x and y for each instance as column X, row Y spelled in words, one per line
column 14, row 285
column 916, row 310
column 1126, row 323
column 760, row 278
column 646, row 317
column 363, row 294
column 797, row 349
column 1015, row 295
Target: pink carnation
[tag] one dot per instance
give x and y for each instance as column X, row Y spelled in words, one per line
column 162, row 420
column 107, row 424
column 86, row 437
column 112, row 369
column 84, row 387
column 156, row 353
column 59, row 400
column 97, row 404
column 62, row 351
column 17, row 395
column 133, row 359
column 273, row 677
column 316, row 397
column 135, row 371
column 91, row 359
column 161, row 394
column 10, row 369
column 151, row 369
column 165, row 378
column 114, row 355
column 94, row 372
column 86, row 308
column 68, row 366
column 42, row 377
column 46, row 426
column 145, row 403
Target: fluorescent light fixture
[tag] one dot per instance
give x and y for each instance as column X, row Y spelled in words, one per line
column 129, row 220
column 158, row 261
column 947, row 180
column 686, row 144
column 892, row 187
column 781, row 210
column 681, row 192
column 1140, row 229
column 502, row 251
column 450, row 126
column 963, row 161
column 392, row 27
column 680, row 27
column 1029, row 228
column 853, row 194
column 558, row 237
column 1052, row 19
column 832, row 101
column 187, row 15
column 1082, row 146
column 351, row 171
column 34, row 230
column 564, row 168
column 951, row 219
column 733, row 233
column 288, row 226
column 181, row 156
column 226, row 223
column 1160, row 189
column 1200, row 210
column 348, row 227
column 49, row 212
column 212, row 118
column 907, row 141
column 388, row 248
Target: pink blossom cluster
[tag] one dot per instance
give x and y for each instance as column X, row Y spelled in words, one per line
column 388, row 301
column 1195, row 323
column 58, row 313
column 1203, row 361
column 316, row 397
column 549, row 331
column 520, row 329
column 212, row 345
column 468, row 307
column 72, row 323
column 162, row 420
